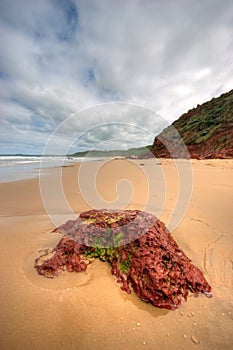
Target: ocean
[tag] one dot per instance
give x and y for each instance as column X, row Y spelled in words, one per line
column 19, row 167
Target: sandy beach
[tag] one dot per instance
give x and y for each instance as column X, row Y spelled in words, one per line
column 88, row 310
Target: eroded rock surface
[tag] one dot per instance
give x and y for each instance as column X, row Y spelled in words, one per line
column 142, row 253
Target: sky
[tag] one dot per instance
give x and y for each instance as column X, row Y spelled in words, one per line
column 88, row 74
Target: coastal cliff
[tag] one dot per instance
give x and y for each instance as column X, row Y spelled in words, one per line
column 206, row 130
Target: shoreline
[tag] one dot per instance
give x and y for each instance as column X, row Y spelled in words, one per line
column 88, row 310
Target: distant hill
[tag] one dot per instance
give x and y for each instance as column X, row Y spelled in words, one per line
column 132, row 152
column 207, row 131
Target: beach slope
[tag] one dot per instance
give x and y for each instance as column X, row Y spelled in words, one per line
column 88, row 310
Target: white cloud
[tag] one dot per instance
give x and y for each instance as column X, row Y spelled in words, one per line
column 60, row 57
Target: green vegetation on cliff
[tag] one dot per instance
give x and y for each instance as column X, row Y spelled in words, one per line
column 207, row 130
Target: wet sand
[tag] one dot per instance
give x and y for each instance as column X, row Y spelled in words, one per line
column 88, row 310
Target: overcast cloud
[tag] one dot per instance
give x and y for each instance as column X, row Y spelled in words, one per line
column 60, row 58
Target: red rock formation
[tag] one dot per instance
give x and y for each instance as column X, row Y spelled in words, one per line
column 140, row 249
